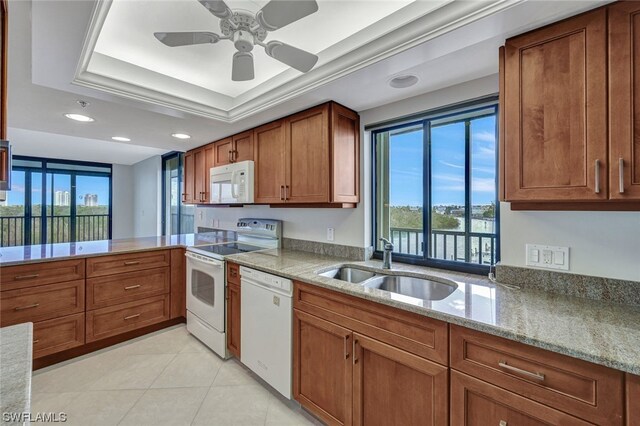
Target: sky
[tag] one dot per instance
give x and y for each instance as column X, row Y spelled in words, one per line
column 84, row 185
column 447, row 165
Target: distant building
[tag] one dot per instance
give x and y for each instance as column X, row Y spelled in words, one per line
column 90, row 200
column 62, row 198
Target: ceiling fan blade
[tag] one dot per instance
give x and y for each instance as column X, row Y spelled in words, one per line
column 292, row 56
column 187, row 38
column 217, row 8
column 279, row 13
column 242, row 66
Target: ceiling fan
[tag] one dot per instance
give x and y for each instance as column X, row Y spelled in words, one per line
column 246, row 30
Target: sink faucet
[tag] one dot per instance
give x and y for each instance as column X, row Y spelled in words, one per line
column 386, row 258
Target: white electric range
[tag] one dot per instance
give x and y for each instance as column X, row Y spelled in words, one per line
column 206, row 283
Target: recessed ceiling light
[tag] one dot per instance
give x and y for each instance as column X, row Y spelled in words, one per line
column 120, row 139
column 403, row 81
column 181, row 136
column 79, row 117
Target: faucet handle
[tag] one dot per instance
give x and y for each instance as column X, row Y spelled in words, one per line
column 387, row 244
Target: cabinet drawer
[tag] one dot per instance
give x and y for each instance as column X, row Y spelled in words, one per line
column 41, row 303
column 477, row 403
column 114, row 320
column 33, row 274
column 56, row 335
column 114, row 289
column 414, row 333
column 116, row 264
column 233, row 273
column 580, row 388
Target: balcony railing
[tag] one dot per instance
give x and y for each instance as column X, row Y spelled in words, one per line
column 472, row 247
column 13, row 229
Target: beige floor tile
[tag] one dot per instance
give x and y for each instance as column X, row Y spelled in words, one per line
column 97, row 408
column 171, row 407
column 287, row 413
column 134, row 372
column 234, row 405
column 51, row 402
column 194, row 345
column 76, row 375
column 232, row 373
column 171, row 341
column 189, row 370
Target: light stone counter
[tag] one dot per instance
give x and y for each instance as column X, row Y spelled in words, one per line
column 16, row 346
column 597, row 331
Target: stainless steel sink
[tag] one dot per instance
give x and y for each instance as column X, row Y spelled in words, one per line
column 349, row 274
column 411, row 286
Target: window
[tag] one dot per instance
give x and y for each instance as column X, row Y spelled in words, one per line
column 177, row 218
column 435, row 185
column 56, row 201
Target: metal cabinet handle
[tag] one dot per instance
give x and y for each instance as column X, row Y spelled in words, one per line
column 502, row 423
column 132, row 316
column 621, row 175
column 597, row 189
column 131, row 262
column 184, row 196
column 235, row 155
column 536, row 376
column 286, row 192
column 131, row 287
column 281, row 192
column 346, row 347
column 355, row 351
column 22, row 308
column 229, row 156
column 36, row 341
column 25, row 277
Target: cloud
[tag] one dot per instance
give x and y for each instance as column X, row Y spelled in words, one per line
column 455, row 166
column 449, row 178
column 484, row 136
column 483, row 185
column 412, row 172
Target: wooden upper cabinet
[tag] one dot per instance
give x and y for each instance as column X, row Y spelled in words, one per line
column 269, row 152
column 345, row 146
column 308, row 165
column 242, row 147
column 555, row 106
column 188, row 186
column 209, row 160
column 223, row 150
column 624, row 100
column 200, row 164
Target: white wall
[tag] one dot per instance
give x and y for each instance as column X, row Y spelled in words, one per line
column 122, row 187
column 147, row 197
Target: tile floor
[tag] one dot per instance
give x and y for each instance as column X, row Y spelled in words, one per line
column 164, row 378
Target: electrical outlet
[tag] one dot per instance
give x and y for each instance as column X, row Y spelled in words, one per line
column 548, row 257
column 330, row 234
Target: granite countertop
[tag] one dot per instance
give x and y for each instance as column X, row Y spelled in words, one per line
column 15, row 369
column 60, row 251
column 597, row 331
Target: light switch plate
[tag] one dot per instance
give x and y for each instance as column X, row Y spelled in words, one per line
column 548, row 257
column 330, row 234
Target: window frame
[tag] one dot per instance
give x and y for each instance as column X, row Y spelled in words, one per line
column 425, row 118
column 44, row 169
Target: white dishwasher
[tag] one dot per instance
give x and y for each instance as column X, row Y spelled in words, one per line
column 265, row 327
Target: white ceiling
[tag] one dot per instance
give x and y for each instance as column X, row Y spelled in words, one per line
column 46, row 39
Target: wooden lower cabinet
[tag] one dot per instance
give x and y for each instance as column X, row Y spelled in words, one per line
column 322, row 368
column 478, row 403
column 58, row 334
column 633, row 399
column 178, row 283
column 233, row 319
column 395, row 387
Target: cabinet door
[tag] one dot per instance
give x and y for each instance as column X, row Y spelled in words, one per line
column 242, row 147
column 223, row 150
column 477, row 403
column 322, row 368
column 189, row 184
column 233, row 319
column 269, row 163
column 308, row 161
column 633, row 400
column 345, row 149
column 209, row 162
column 394, row 387
column 555, row 105
column 200, row 163
column 624, row 100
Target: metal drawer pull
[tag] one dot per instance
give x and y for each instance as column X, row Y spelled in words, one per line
column 132, row 316
column 597, row 189
column 346, row 347
column 36, row 341
column 355, row 351
column 286, row 192
column 132, row 262
column 21, row 308
column 131, row 287
column 502, row 423
column 26, row 277
column 537, row 376
column 281, row 192
column 621, row 174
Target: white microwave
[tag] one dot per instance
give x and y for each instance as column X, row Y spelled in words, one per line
column 232, row 184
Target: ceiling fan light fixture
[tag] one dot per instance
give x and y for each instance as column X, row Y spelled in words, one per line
column 402, row 81
column 242, row 66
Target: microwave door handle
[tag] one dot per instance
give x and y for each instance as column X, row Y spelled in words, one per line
column 234, row 194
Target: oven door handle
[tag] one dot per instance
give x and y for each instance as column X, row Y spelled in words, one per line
column 202, row 259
